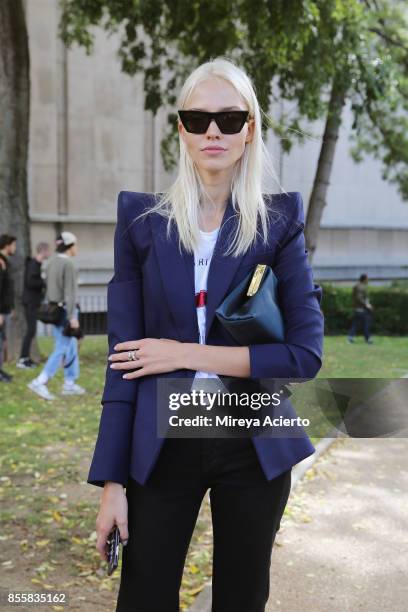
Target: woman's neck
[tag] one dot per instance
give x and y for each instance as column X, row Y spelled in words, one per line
column 216, row 196
column 212, row 206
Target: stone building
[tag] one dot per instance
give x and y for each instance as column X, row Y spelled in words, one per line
column 91, row 138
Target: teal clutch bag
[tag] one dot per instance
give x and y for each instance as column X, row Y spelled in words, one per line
column 250, row 313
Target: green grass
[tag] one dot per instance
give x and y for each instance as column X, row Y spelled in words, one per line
column 386, row 358
column 47, row 508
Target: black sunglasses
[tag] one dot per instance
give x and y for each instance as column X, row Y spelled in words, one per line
column 229, row 122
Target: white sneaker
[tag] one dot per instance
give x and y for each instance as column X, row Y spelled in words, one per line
column 73, row 389
column 41, row 390
column 22, row 364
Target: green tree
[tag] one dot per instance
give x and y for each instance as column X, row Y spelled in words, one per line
column 319, row 54
column 370, row 70
column 14, row 122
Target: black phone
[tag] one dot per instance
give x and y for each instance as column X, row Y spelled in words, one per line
column 113, row 542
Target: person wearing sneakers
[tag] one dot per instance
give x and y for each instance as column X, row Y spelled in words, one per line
column 33, row 293
column 62, row 284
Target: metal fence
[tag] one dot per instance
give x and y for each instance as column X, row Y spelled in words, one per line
column 93, row 314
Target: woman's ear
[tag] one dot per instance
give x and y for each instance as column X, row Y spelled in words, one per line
column 180, row 127
column 250, row 131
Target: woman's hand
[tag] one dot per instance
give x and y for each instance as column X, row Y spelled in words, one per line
column 112, row 511
column 153, row 356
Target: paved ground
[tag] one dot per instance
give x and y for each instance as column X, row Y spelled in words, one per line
column 344, row 545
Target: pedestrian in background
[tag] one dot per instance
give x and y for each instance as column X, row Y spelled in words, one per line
column 62, row 287
column 33, row 295
column 8, row 245
column 362, row 310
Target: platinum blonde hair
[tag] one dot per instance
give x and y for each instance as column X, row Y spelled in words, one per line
column 181, row 202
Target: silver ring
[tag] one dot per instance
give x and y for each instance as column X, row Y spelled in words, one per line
column 132, row 356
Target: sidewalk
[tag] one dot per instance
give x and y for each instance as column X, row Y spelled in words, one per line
column 344, row 544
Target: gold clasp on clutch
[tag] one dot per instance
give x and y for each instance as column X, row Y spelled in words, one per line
column 256, row 279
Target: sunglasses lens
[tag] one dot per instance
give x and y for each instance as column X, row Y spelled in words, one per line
column 231, row 123
column 195, row 122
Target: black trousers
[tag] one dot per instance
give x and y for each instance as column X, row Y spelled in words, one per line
column 246, row 511
column 30, row 311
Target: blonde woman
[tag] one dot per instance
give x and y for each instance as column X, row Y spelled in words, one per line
column 176, row 257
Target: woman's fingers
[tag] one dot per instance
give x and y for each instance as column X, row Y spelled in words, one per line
column 139, row 373
column 129, row 345
column 101, row 538
column 152, row 356
column 127, row 365
column 123, row 530
column 122, row 356
column 112, row 511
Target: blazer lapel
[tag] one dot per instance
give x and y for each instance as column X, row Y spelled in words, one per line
column 222, row 268
column 177, row 273
column 178, row 284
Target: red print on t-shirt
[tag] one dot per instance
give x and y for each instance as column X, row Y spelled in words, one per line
column 200, row 298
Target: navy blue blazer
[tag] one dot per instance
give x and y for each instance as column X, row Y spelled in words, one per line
column 152, row 295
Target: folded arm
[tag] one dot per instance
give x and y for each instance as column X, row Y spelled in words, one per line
column 299, row 297
column 300, row 356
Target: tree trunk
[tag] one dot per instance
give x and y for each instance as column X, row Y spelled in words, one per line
column 14, row 133
column 324, row 167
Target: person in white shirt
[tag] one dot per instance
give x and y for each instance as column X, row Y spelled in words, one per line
column 217, row 196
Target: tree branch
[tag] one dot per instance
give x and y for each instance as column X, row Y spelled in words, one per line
column 387, row 38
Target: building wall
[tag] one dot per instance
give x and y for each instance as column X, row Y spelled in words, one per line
column 364, row 226
column 91, row 138
column 87, row 141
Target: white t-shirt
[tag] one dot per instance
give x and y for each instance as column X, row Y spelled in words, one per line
column 202, row 260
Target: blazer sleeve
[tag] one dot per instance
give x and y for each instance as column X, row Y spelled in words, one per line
column 125, row 322
column 300, row 356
